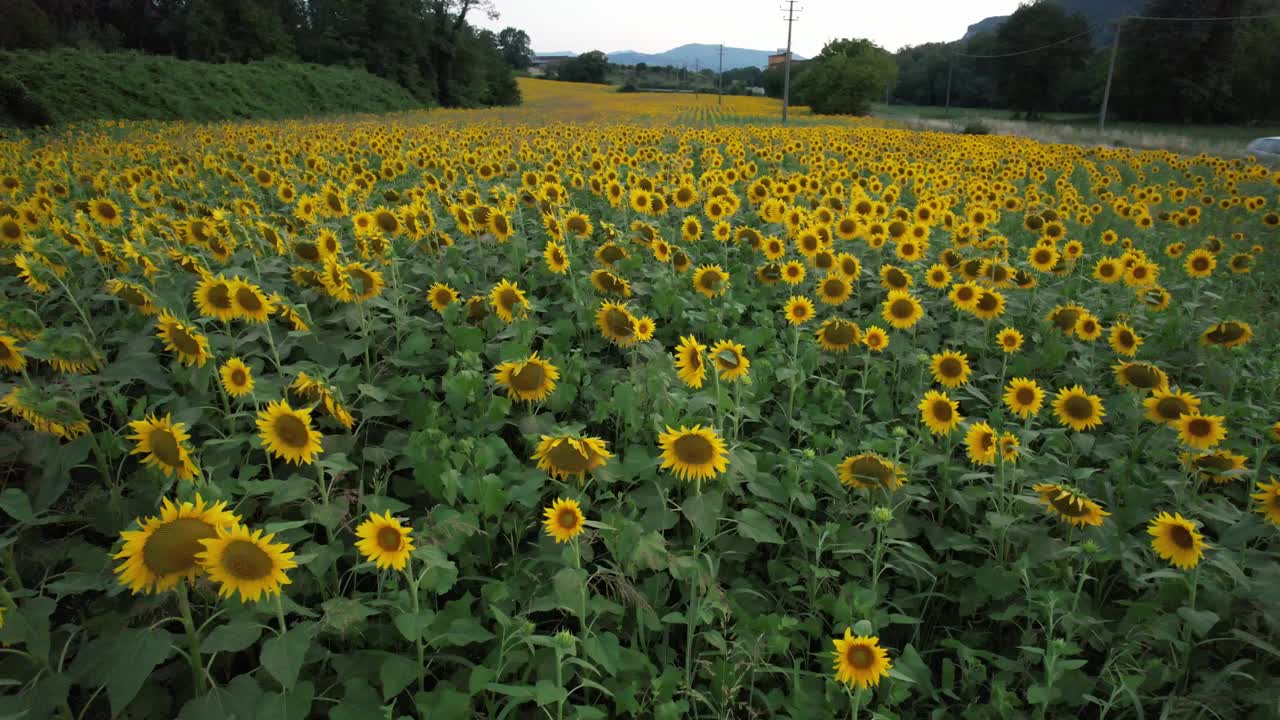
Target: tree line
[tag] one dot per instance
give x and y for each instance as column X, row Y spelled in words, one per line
column 1173, row 71
column 429, row 47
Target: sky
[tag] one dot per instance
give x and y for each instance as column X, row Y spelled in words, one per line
column 656, row 25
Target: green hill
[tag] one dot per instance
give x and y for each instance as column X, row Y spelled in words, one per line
column 60, row 86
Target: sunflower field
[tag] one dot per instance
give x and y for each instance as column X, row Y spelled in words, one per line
column 633, row 406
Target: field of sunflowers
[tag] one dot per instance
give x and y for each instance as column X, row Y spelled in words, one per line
column 633, row 406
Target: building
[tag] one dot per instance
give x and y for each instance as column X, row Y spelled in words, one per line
column 779, row 57
column 543, row 64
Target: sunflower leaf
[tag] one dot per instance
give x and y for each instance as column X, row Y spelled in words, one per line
column 283, row 655
column 753, row 525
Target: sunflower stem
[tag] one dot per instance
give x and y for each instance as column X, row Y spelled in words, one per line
column 417, row 635
column 855, row 701
column 577, row 563
column 271, row 340
column 284, row 626
column 193, row 638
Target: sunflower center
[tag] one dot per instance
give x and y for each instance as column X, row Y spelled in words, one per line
column 860, row 656
column 619, row 323
column 244, row 560
column 833, row 287
column 443, row 297
column 1200, row 263
column 1215, row 461
column 694, row 449
column 895, row 278
column 950, row 367
column 1227, row 332
column 869, row 468
column 709, row 280
column 1078, row 407
column 389, row 539
column 5, row 354
column 172, row 547
column 1142, row 375
column 799, row 311
column 508, row 298
column 364, row 279
column 840, row 333
column 987, row 302
column 1025, row 396
column 1172, row 408
column 942, row 410
column 292, row 431
column 248, row 299
column 1069, row 506
column 238, row 377
column 567, row 457
column 528, row 377
column 1182, row 537
column 1199, row 427
column 107, row 212
column 386, row 221
column 184, row 341
column 567, row 519
column 165, row 446
column 901, row 309
column 1126, row 338
column 1066, row 319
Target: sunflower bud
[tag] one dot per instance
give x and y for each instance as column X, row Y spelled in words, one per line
column 882, row 515
column 564, row 642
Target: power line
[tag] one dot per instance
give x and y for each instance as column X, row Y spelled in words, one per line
column 1200, row 19
column 1024, row 52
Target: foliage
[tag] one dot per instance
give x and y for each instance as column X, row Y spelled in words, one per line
column 1038, row 81
column 716, row 596
column 589, row 67
column 845, row 78
column 66, row 85
column 514, row 45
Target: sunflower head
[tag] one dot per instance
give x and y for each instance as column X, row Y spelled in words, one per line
column 859, row 660
column 384, row 541
column 940, row 413
column 1078, row 409
column 245, row 562
column 164, row 550
column 529, row 380
column 838, row 335
column 869, row 470
column 564, row 456
column 1070, row 505
column 799, row 310
column 730, row 360
column 1176, row 539
column 287, row 434
column 695, row 453
column 563, row 520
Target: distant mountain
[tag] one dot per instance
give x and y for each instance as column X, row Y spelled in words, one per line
column 698, row 55
column 560, row 53
column 1099, row 13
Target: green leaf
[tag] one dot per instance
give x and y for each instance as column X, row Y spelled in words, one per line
column 232, row 637
column 703, row 511
column 16, row 503
column 343, row 614
column 135, row 653
column 547, row 693
column 413, row 627
column 569, row 584
column 283, row 655
column 439, row 572
column 753, row 525
column 1200, row 621
column 396, row 673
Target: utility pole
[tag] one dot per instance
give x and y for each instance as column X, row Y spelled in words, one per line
column 951, row 65
column 786, row 60
column 1111, row 69
column 720, row 79
column 697, row 62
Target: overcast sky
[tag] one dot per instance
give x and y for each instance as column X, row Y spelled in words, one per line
column 656, row 25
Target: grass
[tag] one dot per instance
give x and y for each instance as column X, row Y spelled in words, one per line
column 69, row 85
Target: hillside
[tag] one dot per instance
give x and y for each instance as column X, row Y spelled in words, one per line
column 60, row 86
column 1098, row 12
column 697, row 54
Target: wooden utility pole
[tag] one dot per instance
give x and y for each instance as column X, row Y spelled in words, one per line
column 1111, row 70
column 951, row 66
column 786, row 60
column 720, row 79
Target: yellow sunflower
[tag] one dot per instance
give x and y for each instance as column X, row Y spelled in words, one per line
column 1070, row 505
column 556, row 257
column 869, row 470
column 213, row 298
column 163, row 442
column 793, row 272
column 1140, row 376
column 563, row 456
column 799, row 310
column 950, row 368
column 711, row 280
column 1166, row 406
column 531, row 380
column 982, row 444
column 691, row 367
column 645, row 328
column 191, row 347
column 249, row 301
column 695, row 453
column 875, row 338
column 1219, row 466
column 1268, row 497
column 1227, row 334
column 1087, row 327
column 901, row 309
column 384, row 541
column 163, row 551
column 441, row 296
column 940, row 413
column 859, row 660
column 1200, row 431
column 838, row 335
column 10, row 354
column 1078, row 409
column 616, row 323
column 236, row 377
column 1023, row 397
column 287, row 433
column 1009, row 340
column 246, row 562
column 730, row 360
column 834, row 289
column 1124, row 340
column 964, row 296
column 508, row 300
column 366, row 283
column 106, row 212
column 1175, row 538
column 563, row 520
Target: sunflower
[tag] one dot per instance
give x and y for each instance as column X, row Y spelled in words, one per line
column 135, row 295
column 245, row 562
column 1108, row 270
column 1219, row 467
column 563, row 456
column 901, row 309
column 105, row 212
column 1043, row 258
column 869, row 470
column 1174, row 538
column 860, row 660
column 1227, row 334
column 1200, row 431
column 691, row 229
column 711, row 280
column 695, row 453
column 508, row 300
column 163, row 551
column 937, row 276
column 1010, row 447
column 441, row 296
column 249, row 302
column 556, row 257
column 964, row 296
column 1078, row 409
column 1065, row 317
column 730, row 360
column 1009, row 340
column 1124, row 340
column 237, row 380
column 606, row 283
column 1023, row 397
column 990, row 304
column 1165, row 406
column 10, row 354
column 617, row 323
column 1087, row 327
column 950, row 368
column 793, row 272
column 691, row 368
column 940, row 413
column 875, row 338
column 192, row 347
column 1070, row 505
column 982, row 444
column 1140, row 376
column 531, row 380
column 645, row 327
column 895, row 278
column 838, row 335
column 849, row 266
column 564, row 520
column 366, row 283
column 384, row 541
column 1268, row 497
column 46, row 412
column 799, row 310
column 287, row 433
column 163, row 442
column 1200, row 263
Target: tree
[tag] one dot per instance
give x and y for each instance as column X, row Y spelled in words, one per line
column 514, row 46
column 845, row 78
column 590, row 67
column 1036, row 81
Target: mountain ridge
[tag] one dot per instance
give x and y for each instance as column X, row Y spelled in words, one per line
column 699, row 55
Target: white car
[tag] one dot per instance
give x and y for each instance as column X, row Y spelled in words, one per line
column 1267, row 149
